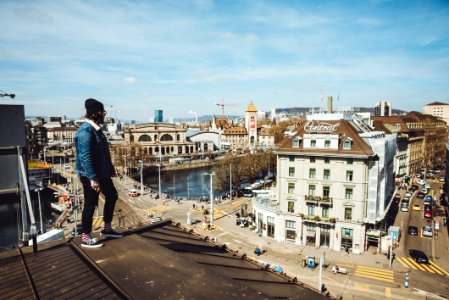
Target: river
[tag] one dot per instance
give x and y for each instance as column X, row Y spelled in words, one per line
column 191, row 184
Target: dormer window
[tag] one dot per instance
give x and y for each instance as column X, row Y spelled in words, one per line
column 296, row 142
column 347, row 143
column 398, row 127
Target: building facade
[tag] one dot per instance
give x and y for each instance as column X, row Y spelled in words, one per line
column 438, row 109
column 322, row 188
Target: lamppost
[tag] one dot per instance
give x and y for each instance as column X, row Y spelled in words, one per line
column 12, row 96
column 159, row 165
column 40, row 208
column 125, row 172
column 211, row 198
column 141, row 176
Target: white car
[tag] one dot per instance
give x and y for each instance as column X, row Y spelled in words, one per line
column 424, row 190
column 421, row 182
column 427, row 186
column 427, row 231
column 404, row 207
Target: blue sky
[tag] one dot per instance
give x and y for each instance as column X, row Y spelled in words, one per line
column 181, row 56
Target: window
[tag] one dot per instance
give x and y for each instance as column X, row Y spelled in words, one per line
column 291, row 206
column 313, row 143
column 348, row 194
column 327, row 144
column 312, row 173
column 349, row 175
column 312, row 190
column 348, row 213
column 311, row 226
column 270, row 226
column 347, row 144
column 311, row 210
column 291, row 158
column 312, row 159
column 326, row 191
column 325, row 212
column 350, row 161
column 291, row 171
column 290, row 224
column 327, row 160
column 296, row 142
column 291, row 187
column 290, row 235
column 327, row 174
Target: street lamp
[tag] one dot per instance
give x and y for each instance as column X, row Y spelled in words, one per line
column 12, row 96
column 125, row 172
column 141, row 176
column 40, row 208
column 211, row 198
column 159, row 165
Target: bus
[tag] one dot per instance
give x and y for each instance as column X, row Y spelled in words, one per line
column 248, row 192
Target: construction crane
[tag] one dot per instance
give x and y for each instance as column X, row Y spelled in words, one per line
column 222, row 104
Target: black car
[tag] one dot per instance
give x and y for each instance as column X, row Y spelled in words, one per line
column 414, row 188
column 413, row 230
column 419, row 256
column 421, row 195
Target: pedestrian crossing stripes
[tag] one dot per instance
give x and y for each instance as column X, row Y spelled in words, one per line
column 159, row 209
column 97, row 222
column 408, row 262
column 373, row 273
column 217, row 213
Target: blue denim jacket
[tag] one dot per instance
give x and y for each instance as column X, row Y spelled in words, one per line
column 93, row 159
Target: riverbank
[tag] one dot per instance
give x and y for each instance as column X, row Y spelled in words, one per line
column 195, row 164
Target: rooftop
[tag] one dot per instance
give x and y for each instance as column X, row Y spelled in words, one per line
column 151, row 262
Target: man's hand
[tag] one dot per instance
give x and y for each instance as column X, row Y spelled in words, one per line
column 95, row 185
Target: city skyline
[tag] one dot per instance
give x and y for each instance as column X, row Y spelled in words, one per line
column 184, row 57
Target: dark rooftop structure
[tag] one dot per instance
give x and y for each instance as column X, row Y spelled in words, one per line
column 159, row 261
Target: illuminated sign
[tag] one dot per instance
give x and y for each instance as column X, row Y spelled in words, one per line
column 311, row 126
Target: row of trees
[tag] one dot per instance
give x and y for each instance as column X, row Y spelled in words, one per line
column 246, row 168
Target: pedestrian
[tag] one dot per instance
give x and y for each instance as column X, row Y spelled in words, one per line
column 95, row 169
column 347, row 250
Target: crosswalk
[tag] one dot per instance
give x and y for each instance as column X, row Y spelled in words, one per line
column 157, row 210
column 374, row 273
column 97, row 222
column 217, row 213
column 408, row 262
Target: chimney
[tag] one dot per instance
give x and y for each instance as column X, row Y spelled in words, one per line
column 329, row 104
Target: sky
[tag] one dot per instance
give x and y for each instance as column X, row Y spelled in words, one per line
column 184, row 57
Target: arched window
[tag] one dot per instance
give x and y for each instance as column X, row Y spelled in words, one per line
column 145, row 138
column 131, row 138
column 178, row 137
column 179, row 150
column 166, row 138
column 150, row 151
column 205, row 147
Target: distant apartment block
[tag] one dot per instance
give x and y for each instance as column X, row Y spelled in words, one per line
column 438, row 109
column 383, row 108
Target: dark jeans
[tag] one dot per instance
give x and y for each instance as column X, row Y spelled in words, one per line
column 91, row 202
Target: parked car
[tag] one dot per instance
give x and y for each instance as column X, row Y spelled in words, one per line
column 419, row 256
column 427, row 202
column 404, row 207
column 427, row 186
column 133, row 193
column 405, row 200
column 427, row 231
column 417, row 207
column 427, row 214
column 428, row 197
column 414, row 188
column 441, row 178
column 408, row 194
column 421, row 195
column 425, row 191
column 421, row 181
column 413, row 230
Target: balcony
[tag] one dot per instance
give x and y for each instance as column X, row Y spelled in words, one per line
column 318, row 219
column 318, row 200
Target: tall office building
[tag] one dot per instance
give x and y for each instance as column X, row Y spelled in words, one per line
column 158, row 115
column 383, row 109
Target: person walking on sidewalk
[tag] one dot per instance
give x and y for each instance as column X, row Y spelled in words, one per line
column 95, row 169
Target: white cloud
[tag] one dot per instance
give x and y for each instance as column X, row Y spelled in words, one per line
column 130, row 80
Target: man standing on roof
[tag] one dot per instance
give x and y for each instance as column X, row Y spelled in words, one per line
column 95, row 169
